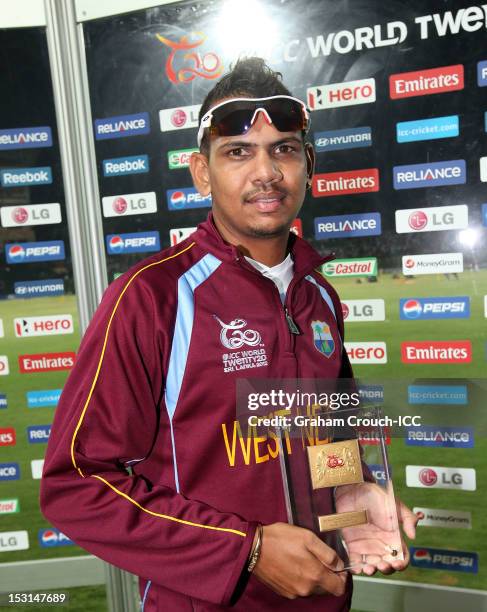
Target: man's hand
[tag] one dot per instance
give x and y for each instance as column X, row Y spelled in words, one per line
column 369, row 545
column 294, row 562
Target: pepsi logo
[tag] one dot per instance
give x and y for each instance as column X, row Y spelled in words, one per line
column 422, row 555
column 428, row 477
column 20, row 215
column 178, row 118
column 412, row 309
column 178, row 199
column 116, row 243
column 120, row 205
column 409, row 263
column 345, row 310
column 48, row 536
column 16, row 252
column 418, row 220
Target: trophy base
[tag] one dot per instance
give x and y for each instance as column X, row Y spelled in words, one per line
column 330, row 522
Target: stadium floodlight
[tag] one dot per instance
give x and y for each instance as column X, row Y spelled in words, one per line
column 469, row 237
column 246, row 28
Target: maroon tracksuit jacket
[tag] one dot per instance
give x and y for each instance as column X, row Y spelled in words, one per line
column 153, row 388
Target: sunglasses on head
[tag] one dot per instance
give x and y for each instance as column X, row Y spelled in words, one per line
column 236, row 116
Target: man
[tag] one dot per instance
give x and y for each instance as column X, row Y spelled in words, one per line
column 147, row 465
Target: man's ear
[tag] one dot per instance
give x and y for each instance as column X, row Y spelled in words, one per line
column 198, row 166
column 310, row 163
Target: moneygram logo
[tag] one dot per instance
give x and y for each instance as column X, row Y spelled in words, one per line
column 25, row 138
column 363, row 266
column 7, row 436
column 46, row 362
column 432, row 263
column 448, row 437
column 426, row 82
column 343, row 139
column 438, row 394
column 363, row 310
column 178, row 234
column 435, row 219
column 428, row 129
column 13, row 540
column 138, row 242
column 26, row 252
column 25, row 327
column 348, row 226
column 4, row 369
column 434, row 517
column 442, row 559
column 345, row 183
column 366, row 352
column 30, row 214
column 179, row 158
column 48, row 538
column 433, row 477
column 43, row 399
column 119, row 166
column 341, row 94
column 122, row 126
column 39, row 288
column 434, row 174
column 441, row 351
column 129, row 204
column 435, row 308
column 185, row 198
column 180, row 118
column 25, row 177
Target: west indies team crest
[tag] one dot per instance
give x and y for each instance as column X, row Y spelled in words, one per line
column 322, row 338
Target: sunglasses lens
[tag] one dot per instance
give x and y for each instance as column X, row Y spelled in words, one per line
column 235, row 118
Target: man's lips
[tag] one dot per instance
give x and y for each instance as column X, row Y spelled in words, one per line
column 267, row 202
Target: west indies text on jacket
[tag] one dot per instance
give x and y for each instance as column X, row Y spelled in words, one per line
column 153, row 388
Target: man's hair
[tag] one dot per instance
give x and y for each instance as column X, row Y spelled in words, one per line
column 249, row 78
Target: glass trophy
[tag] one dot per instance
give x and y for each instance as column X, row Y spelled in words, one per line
column 337, row 482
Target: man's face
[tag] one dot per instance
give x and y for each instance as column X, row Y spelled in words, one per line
column 257, row 180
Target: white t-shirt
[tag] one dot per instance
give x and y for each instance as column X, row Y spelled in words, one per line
column 281, row 275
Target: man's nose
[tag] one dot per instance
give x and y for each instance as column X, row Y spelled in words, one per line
column 266, row 168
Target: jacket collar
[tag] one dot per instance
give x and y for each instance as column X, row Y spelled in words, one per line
column 304, row 255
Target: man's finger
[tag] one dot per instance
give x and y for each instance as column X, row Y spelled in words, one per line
column 325, row 554
column 409, row 520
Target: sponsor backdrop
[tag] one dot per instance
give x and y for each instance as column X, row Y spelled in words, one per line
column 398, row 99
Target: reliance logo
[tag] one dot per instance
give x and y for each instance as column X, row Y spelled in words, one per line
column 46, row 362
column 341, row 94
column 346, row 183
column 448, row 437
column 435, row 174
column 434, row 219
column 442, row 351
column 348, row 226
column 178, row 234
column 426, row 82
column 25, row 138
column 122, row 126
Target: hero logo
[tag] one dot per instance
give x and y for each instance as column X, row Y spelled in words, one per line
column 345, row 183
column 366, row 352
column 435, row 477
column 341, row 94
column 26, row 252
column 425, row 82
column 432, row 219
column 435, row 308
column 4, row 369
column 46, row 362
column 179, row 118
column 443, row 351
column 33, row 214
column 43, row 326
column 131, row 204
column 179, row 199
column 435, row 174
column 178, row 234
column 7, row 436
